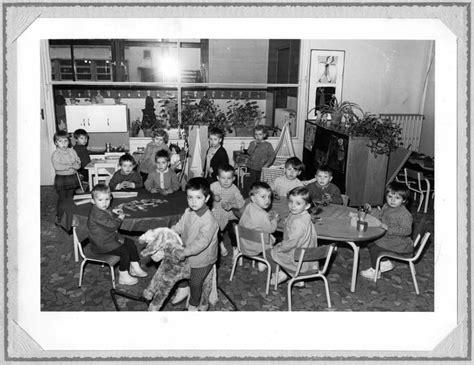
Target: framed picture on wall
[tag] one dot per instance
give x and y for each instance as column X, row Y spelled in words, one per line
column 325, row 78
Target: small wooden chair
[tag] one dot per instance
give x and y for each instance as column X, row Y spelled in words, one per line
column 103, row 172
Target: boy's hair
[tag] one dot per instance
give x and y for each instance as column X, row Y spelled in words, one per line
column 80, row 132
column 199, row 183
column 324, row 168
column 263, row 129
column 162, row 154
column 161, row 133
column 398, row 188
column 296, row 163
column 127, row 157
column 225, row 168
column 300, row 191
column 256, row 186
column 175, row 146
column 60, row 134
column 100, row 188
column 217, row 132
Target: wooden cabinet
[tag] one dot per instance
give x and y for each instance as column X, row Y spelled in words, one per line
column 97, row 118
column 356, row 170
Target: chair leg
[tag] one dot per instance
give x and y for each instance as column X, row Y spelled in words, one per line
column 421, row 202
column 427, row 200
column 377, row 268
column 112, row 275
column 413, row 275
column 269, row 275
column 81, row 272
column 234, row 266
column 290, row 284
column 277, row 272
column 328, row 296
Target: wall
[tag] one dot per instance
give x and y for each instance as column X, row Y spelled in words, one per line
column 428, row 129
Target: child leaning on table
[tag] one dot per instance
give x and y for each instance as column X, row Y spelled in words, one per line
column 102, row 226
column 158, row 143
column 397, row 221
column 226, row 197
column 162, row 180
column 65, row 162
column 261, row 154
column 82, row 137
column 299, row 232
column 198, row 229
column 321, row 189
column 126, row 177
column 283, row 184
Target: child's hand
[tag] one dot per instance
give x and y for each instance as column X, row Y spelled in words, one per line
column 226, row 205
column 276, row 196
column 118, row 186
column 124, row 184
column 368, row 207
column 327, row 198
column 217, row 198
column 154, row 190
column 180, row 255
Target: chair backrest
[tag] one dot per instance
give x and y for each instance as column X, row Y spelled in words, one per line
column 78, row 243
column 313, row 254
column 417, row 240
column 345, row 199
column 421, row 246
column 104, row 171
column 252, row 235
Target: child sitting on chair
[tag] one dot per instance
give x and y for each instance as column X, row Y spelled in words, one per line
column 283, row 184
column 299, row 231
column 126, row 177
column 216, row 155
column 158, row 143
column 175, row 158
column 162, row 180
column 256, row 216
column 198, row 229
column 226, row 197
column 82, row 137
column 103, row 225
column 261, row 154
column 322, row 190
column 397, row 221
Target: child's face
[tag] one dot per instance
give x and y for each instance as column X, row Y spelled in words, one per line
column 297, row 205
column 214, row 140
column 173, row 151
column 262, row 198
column 225, row 178
column 62, row 143
column 127, row 167
column 162, row 164
column 101, row 200
column 82, row 140
column 291, row 173
column 323, row 178
column 196, row 199
column 259, row 135
column 394, row 200
column 158, row 140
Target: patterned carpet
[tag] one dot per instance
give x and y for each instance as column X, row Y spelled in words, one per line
column 393, row 292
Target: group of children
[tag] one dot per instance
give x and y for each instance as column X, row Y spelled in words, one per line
column 211, row 201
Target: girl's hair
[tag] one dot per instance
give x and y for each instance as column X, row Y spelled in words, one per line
column 161, row 133
column 199, row 183
column 60, row 134
column 162, row 154
column 100, row 188
column 217, row 132
column 256, row 186
column 295, row 162
column 80, row 132
column 263, row 129
column 175, row 146
column 300, row 191
column 398, row 188
column 127, row 157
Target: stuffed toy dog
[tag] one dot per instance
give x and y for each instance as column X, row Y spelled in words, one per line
column 161, row 245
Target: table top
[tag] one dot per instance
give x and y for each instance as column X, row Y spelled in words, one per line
column 164, row 214
column 109, row 161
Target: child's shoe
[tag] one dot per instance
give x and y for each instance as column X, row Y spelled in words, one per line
column 136, row 270
column 224, row 251
column 386, row 265
column 281, row 278
column 192, row 308
column 369, row 273
column 181, row 294
column 261, row 267
column 203, row 308
column 126, row 279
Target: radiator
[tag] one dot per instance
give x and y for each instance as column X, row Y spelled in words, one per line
column 411, row 128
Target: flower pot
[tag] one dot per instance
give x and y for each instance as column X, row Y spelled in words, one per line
column 148, row 132
column 336, row 118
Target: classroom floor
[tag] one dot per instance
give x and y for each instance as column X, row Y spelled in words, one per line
column 393, row 292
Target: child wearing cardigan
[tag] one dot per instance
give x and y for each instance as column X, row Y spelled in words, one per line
column 162, row 180
column 126, row 177
column 216, row 155
column 158, row 143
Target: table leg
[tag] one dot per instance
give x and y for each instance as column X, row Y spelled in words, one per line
column 355, row 264
column 91, row 183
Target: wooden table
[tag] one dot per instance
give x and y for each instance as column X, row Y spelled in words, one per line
column 108, row 163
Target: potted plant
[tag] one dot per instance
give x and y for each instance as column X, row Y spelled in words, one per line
column 346, row 110
column 149, row 120
column 204, row 112
column 243, row 115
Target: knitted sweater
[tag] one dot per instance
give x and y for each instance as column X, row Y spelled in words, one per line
column 102, row 226
column 147, row 162
column 198, row 231
column 260, row 155
column 83, row 154
column 399, row 222
column 65, row 162
column 230, row 195
column 282, row 185
column 119, row 177
column 162, row 180
column 316, row 192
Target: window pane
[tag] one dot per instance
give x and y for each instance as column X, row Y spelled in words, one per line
column 86, row 60
column 83, row 69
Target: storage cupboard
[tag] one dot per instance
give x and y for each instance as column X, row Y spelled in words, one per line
column 97, row 118
column 356, row 171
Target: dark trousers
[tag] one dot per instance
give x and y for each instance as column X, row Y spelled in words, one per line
column 128, row 252
column 84, row 173
column 254, row 176
column 229, row 228
column 375, row 252
column 196, row 279
column 62, row 196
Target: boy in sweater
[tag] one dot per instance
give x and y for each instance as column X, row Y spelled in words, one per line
column 126, row 177
column 162, row 180
column 322, row 190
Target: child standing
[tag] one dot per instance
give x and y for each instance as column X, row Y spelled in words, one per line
column 299, row 231
column 256, row 216
column 216, row 155
column 126, row 177
column 226, row 197
column 147, row 162
column 103, row 225
column 162, row 180
column 65, row 162
column 261, row 154
column 198, row 229
column 323, row 190
column 175, row 158
column 82, row 137
column 283, row 184
column 397, row 221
